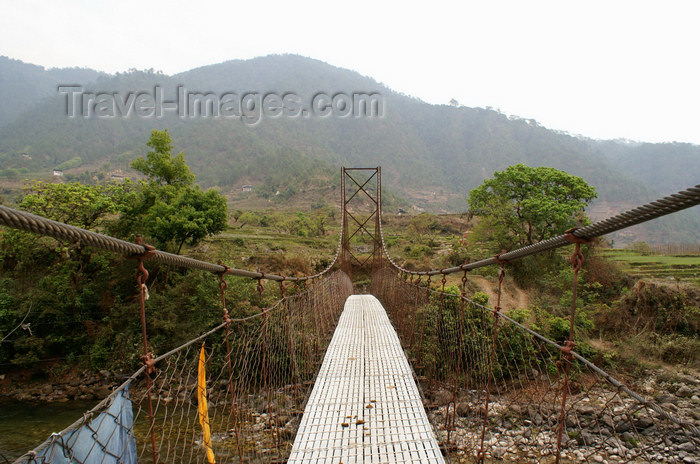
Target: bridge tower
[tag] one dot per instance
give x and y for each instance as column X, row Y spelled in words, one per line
column 362, row 204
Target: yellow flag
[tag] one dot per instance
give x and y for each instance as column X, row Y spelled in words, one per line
column 202, row 407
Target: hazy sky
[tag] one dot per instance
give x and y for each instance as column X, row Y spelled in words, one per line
column 604, row 69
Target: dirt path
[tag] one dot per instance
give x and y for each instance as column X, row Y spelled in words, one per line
column 512, row 297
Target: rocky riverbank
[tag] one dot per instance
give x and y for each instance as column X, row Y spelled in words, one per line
column 603, row 425
column 72, row 386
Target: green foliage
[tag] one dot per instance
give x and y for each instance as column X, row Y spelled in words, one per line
column 679, row 268
column 168, row 208
column 74, row 162
column 481, row 298
column 458, row 254
column 390, row 241
column 248, row 217
column 186, row 215
column 557, row 328
column 422, row 145
column 521, row 315
column 455, row 333
column 297, row 224
column 82, row 310
column 64, row 306
column 417, row 251
column 73, row 203
column 524, row 205
column 159, row 166
column 9, row 173
column 79, row 301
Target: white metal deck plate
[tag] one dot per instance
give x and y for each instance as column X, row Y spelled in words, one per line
column 365, row 406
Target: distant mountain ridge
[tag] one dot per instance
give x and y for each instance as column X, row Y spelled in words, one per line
column 22, row 85
column 431, row 155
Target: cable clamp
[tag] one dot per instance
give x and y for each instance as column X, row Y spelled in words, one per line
column 571, row 238
column 149, row 362
column 567, row 348
column 226, row 268
column 149, row 250
column 260, row 287
column 499, row 260
column 222, row 282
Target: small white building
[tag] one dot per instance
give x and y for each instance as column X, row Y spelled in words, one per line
column 57, row 172
column 247, row 188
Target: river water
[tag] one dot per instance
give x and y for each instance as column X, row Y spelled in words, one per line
column 25, row 425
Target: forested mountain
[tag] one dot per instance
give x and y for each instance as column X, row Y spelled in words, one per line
column 22, row 85
column 431, row 155
column 662, row 166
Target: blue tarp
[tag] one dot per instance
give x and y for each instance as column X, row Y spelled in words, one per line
column 108, row 439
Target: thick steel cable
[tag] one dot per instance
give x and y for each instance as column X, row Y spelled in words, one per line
column 28, row 222
column 671, row 204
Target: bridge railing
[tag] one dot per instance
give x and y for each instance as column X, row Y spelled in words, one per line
column 257, row 373
column 235, row 393
column 230, row 391
column 497, row 390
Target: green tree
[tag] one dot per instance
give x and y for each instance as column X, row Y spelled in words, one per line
column 524, row 205
column 170, row 209
column 248, row 217
column 72, row 202
column 84, row 206
column 160, row 166
column 188, row 217
column 70, row 285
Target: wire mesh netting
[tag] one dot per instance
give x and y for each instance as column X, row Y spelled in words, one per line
column 259, row 372
column 497, row 391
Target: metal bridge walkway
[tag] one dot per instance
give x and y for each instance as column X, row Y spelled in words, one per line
column 365, row 406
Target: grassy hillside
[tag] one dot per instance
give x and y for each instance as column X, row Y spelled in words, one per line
column 675, row 268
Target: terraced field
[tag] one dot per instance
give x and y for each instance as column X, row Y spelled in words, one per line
column 685, row 268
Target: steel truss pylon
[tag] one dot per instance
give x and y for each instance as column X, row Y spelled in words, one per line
column 353, row 223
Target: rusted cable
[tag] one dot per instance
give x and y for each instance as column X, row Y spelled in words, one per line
column 223, row 286
column 576, row 263
column 147, row 358
column 492, row 359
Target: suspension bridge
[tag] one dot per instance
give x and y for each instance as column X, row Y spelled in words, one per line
column 411, row 373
